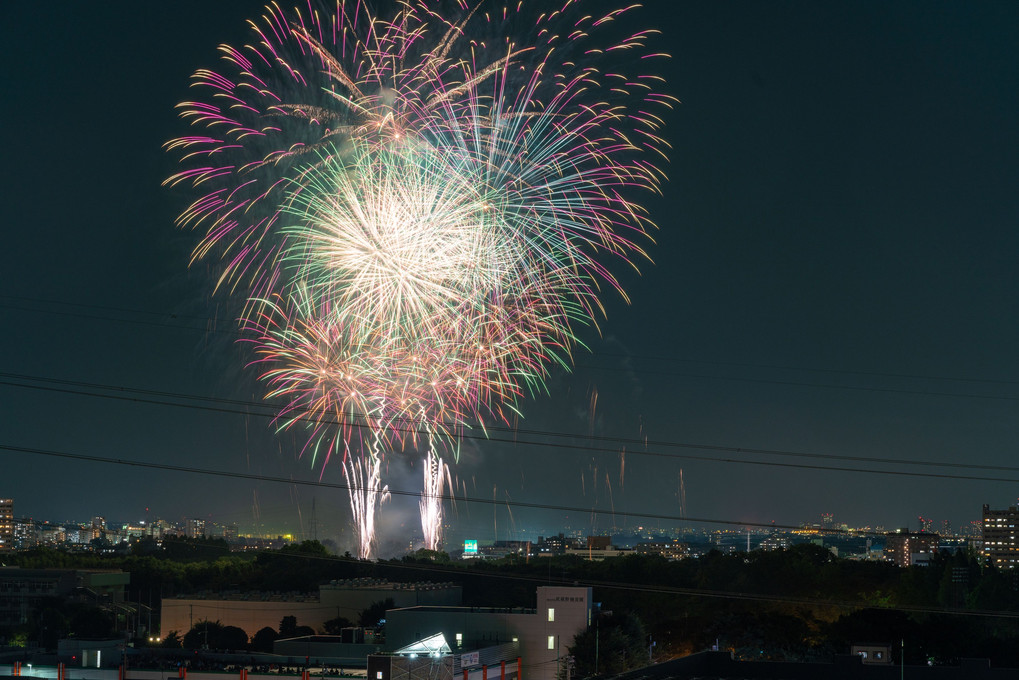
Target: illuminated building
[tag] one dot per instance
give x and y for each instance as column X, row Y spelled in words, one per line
column 26, row 533
column 6, row 523
column 98, row 527
column 1000, row 546
column 774, row 541
column 194, row 527
column 554, row 545
column 160, row 528
column 906, row 548
column 670, row 551
column 542, row 635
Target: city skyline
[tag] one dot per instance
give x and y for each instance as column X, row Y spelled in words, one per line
column 209, row 527
column 833, row 289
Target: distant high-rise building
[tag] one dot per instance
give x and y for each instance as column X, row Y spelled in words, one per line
column 827, row 521
column 946, row 527
column 673, row 550
column 51, row 535
column 6, row 523
column 907, row 548
column 194, row 527
column 159, row 528
column 25, row 533
column 774, row 541
column 926, row 524
column 553, row 545
column 1001, row 547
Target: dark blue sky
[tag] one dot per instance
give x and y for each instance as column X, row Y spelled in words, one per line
column 835, row 274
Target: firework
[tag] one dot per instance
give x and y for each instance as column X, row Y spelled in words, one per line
column 420, row 210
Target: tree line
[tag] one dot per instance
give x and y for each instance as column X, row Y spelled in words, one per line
column 800, row 603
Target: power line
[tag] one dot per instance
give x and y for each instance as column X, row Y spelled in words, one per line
column 815, row 369
column 413, row 494
column 92, row 305
column 658, row 372
column 656, row 358
column 642, row 445
column 656, row 589
column 792, row 383
column 138, row 322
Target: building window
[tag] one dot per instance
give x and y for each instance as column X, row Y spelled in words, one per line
column 551, row 641
column 551, row 614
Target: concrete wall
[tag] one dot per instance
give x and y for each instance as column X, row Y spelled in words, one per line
column 571, row 614
column 346, row 599
column 332, row 653
column 349, row 599
column 77, row 673
column 249, row 615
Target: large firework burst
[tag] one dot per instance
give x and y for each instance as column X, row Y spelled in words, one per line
column 421, row 208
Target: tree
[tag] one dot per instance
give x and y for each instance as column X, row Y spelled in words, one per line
column 306, row 548
column 232, row 637
column 334, row 626
column 424, row 554
column 373, row 615
column 262, row 642
column 288, row 627
column 214, row 635
column 616, row 644
column 90, row 622
column 173, row 640
column 48, row 623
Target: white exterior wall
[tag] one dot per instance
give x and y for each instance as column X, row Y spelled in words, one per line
column 572, row 614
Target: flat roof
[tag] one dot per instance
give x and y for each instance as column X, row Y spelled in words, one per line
column 467, row 610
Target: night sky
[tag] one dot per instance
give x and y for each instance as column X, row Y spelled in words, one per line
column 834, row 275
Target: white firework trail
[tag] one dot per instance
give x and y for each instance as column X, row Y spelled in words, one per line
column 367, row 494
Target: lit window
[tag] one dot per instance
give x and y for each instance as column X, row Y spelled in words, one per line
column 551, row 614
column 551, row 641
